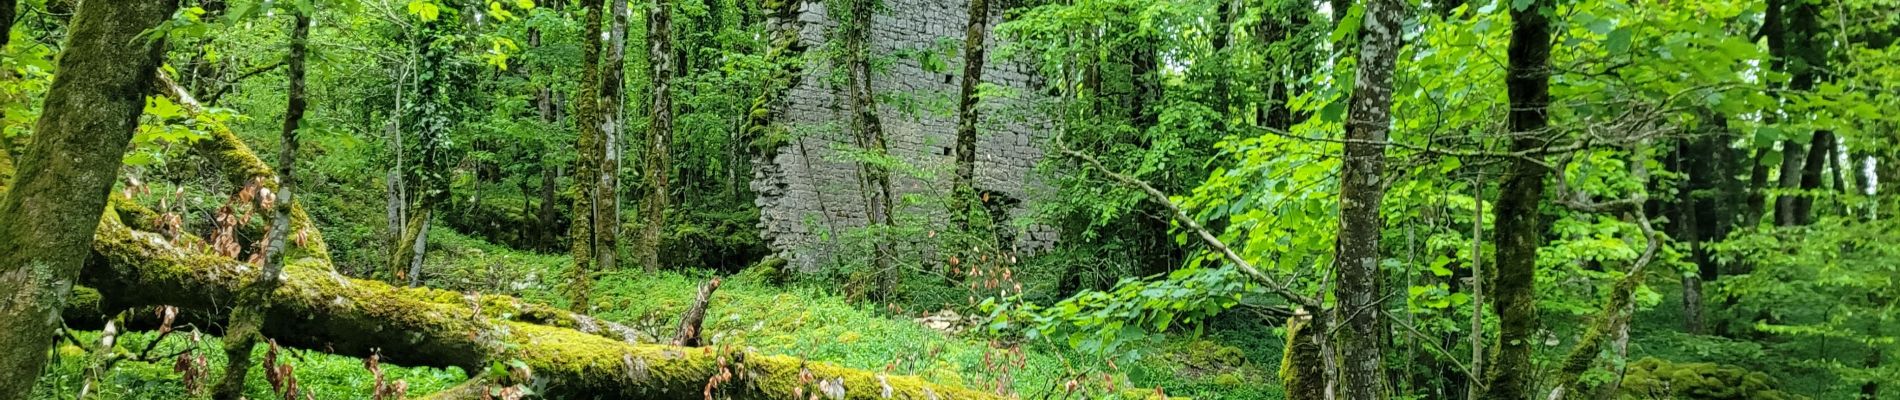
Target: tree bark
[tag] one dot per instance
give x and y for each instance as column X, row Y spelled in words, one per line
column 584, row 230
column 46, row 217
column 241, row 334
column 963, row 195
column 659, row 130
column 1518, row 227
column 1361, row 190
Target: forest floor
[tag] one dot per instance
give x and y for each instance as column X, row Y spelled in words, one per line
column 800, row 319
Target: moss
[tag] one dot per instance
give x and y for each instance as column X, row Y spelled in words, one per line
column 1301, row 368
column 1209, row 354
column 767, row 271
column 1656, row 378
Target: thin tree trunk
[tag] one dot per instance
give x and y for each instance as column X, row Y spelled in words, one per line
column 48, row 214
column 1757, row 187
column 1362, row 189
column 609, row 109
column 1472, row 389
column 659, row 130
column 875, row 179
column 1803, row 28
column 1819, row 149
column 963, row 196
column 418, row 244
column 243, row 332
column 1518, row 228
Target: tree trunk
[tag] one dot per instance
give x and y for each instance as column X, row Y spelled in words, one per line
column 875, row 179
column 47, row 216
column 963, row 195
column 659, row 130
column 241, row 333
column 1819, row 149
column 1518, row 227
column 583, row 229
column 1302, row 367
column 1802, row 43
column 609, row 110
column 579, row 356
column 1361, row 190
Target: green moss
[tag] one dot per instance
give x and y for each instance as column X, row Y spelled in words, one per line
column 1657, row 378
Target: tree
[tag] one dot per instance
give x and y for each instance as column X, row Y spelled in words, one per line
column 242, row 333
column 433, row 116
column 1361, row 189
column 585, row 231
column 47, row 216
column 868, row 133
column 1519, row 227
column 659, row 130
column 963, row 193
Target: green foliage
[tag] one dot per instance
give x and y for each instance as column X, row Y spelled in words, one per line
column 324, row 376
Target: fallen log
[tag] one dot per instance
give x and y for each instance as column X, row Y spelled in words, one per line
column 578, row 356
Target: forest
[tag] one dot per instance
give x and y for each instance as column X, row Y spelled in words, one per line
column 950, row 199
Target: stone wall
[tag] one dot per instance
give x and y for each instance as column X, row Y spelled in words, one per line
column 809, row 192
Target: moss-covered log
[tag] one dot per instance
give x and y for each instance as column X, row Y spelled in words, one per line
column 241, row 166
column 316, row 308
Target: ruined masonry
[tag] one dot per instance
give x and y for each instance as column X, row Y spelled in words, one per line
column 809, row 193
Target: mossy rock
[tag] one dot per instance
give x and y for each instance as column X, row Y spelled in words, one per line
column 770, row 271
column 1653, row 378
column 1208, row 354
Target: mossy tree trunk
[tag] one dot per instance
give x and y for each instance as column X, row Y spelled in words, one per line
column 1302, row 362
column 963, row 195
column 1518, row 228
column 584, row 230
column 578, row 356
column 1361, row 340
column 241, row 333
column 47, row 215
column 659, row 160
column 874, row 177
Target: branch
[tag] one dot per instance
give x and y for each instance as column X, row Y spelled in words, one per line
column 1207, row 237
